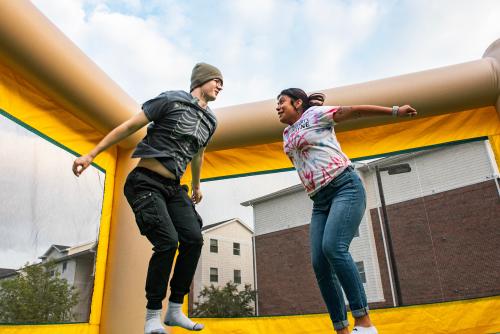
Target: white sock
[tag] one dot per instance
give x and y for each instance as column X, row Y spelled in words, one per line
column 175, row 317
column 153, row 323
column 364, row 330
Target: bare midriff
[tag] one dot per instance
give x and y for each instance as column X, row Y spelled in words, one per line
column 156, row 166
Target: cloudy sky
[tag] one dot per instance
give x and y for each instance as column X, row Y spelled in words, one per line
column 264, row 46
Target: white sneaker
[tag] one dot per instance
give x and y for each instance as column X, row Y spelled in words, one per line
column 154, row 326
column 364, row 330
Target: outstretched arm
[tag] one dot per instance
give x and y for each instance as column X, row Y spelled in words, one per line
column 353, row 112
column 122, row 131
column 195, row 174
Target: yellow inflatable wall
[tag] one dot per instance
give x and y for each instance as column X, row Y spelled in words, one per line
column 23, row 103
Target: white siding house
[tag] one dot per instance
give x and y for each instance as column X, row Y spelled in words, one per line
column 227, row 255
column 75, row 265
column 432, row 171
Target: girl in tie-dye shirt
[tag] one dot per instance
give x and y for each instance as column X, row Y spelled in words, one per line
column 338, row 197
column 313, row 148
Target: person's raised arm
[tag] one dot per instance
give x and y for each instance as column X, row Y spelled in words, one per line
column 195, row 175
column 353, row 112
column 119, row 133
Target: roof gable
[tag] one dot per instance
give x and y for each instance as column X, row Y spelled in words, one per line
column 223, row 223
column 54, row 248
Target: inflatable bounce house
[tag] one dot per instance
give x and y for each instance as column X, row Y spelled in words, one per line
column 55, row 104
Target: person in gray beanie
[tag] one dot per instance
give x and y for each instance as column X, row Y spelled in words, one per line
column 180, row 127
column 202, row 73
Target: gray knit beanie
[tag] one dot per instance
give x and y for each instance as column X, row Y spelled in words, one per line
column 203, row 72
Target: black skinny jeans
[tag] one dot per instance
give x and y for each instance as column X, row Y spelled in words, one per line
column 166, row 216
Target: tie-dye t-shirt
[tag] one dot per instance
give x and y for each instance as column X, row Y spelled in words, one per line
column 312, row 146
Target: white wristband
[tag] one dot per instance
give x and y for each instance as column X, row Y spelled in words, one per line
column 395, row 111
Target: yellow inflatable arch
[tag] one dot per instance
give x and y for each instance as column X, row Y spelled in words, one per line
column 47, row 83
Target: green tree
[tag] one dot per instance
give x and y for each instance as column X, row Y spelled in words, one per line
column 225, row 302
column 37, row 295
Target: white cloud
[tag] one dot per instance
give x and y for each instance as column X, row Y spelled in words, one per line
column 421, row 35
column 134, row 51
column 263, row 46
column 136, row 55
column 339, row 28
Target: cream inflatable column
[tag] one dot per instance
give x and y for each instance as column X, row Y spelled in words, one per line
column 33, row 46
column 493, row 54
column 433, row 92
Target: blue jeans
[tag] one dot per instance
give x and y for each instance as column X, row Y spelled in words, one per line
column 337, row 212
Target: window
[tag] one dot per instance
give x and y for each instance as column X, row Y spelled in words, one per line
column 237, row 276
column 361, row 269
column 49, row 228
column 236, row 248
column 214, row 274
column 214, row 246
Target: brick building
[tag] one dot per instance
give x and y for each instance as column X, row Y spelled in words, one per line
column 444, row 219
